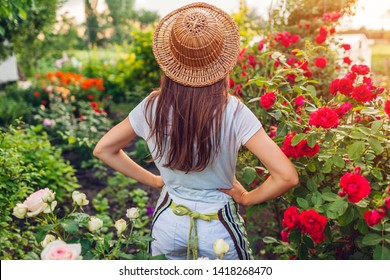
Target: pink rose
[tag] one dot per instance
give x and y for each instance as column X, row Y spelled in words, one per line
column 38, row 202
column 59, row 250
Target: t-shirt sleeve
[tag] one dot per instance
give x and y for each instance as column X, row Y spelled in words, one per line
column 247, row 124
column 137, row 118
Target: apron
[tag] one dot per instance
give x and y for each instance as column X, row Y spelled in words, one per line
column 187, row 230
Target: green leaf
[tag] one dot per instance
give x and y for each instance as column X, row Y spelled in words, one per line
column 337, row 208
column 302, row 203
column 298, row 138
column 387, row 238
column 362, row 226
column 375, row 126
column 371, row 239
column 2, row 31
column 329, row 196
column 316, row 199
column 355, row 150
column 376, row 146
column 311, row 166
column 249, row 174
column 269, row 240
column 312, row 90
column 312, row 184
column 70, row 226
column 312, row 140
column 347, row 217
column 295, row 236
column 357, row 135
column 338, row 161
column 308, row 242
column 381, row 253
column 303, row 252
column 327, row 167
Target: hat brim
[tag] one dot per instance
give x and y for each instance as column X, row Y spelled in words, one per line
column 197, row 76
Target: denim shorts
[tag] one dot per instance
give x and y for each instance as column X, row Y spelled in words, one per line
column 170, row 232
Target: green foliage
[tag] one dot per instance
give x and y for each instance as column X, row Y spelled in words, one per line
column 27, row 162
column 360, row 139
column 120, row 195
column 97, row 236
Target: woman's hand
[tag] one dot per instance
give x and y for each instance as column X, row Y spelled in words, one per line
column 237, row 192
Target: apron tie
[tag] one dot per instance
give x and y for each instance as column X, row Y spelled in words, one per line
column 182, row 210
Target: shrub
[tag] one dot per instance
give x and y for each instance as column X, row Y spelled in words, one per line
column 28, row 162
column 330, row 120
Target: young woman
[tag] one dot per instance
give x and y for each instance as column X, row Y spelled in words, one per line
column 194, row 131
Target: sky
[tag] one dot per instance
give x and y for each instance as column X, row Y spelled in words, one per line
column 372, row 14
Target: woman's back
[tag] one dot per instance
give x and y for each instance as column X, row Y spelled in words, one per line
column 238, row 125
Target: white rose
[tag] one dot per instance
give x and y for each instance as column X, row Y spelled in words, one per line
column 120, row 226
column 220, row 248
column 48, row 238
column 48, row 196
column 95, row 224
column 59, row 250
column 132, row 213
column 38, row 201
column 80, row 198
column 20, row 211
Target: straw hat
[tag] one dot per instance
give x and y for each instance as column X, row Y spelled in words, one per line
column 196, row 45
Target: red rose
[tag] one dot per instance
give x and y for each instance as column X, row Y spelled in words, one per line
column 323, row 32
column 251, row 60
column 347, row 60
column 362, row 93
column 318, row 238
column 355, row 186
column 320, row 39
column 360, row 69
column 272, row 131
column 345, row 86
column 346, row 47
column 291, row 217
column 299, row 101
column 320, row 62
column 260, row 46
column 231, row 83
column 387, row 202
column 334, row 86
column 332, row 30
column 288, row 149
column 305, row 150
column 350, row 75
column 37, row 94
column 291, row 77
column 324, row 117
column 343, row 109
column 94, row 104
column 374, row 217
column 267, row 100
column 312, row 223
column 387, row 107
column 284, row 234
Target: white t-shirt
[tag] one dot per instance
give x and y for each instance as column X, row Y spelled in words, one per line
column 239, row 126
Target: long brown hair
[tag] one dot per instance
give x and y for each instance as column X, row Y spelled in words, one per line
column 187, row 123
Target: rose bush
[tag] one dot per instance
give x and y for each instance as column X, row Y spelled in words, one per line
column 78, row 235
column 331, row 119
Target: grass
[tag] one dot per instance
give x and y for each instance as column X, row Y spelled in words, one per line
column 381, row 58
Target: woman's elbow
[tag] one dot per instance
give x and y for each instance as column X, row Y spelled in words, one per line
column 97, row 152
column 292, row 180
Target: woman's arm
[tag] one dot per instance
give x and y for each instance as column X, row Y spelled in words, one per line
column 109, row 150
column 283, row 175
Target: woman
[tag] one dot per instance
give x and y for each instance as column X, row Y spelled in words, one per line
column 194, row 130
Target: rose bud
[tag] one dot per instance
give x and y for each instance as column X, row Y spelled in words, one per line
column 95, row 224
column 220, row 248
